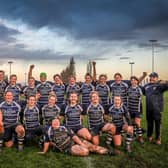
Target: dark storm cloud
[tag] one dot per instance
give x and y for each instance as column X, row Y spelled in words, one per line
column 6, row 34
column 92, row 19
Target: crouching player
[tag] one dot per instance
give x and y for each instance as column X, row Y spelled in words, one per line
column 96, row 122
column 31, row 120
column 9, row 122
column 66, row 141
column 120, row 117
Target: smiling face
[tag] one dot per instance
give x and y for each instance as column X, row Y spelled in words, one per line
column 9, row 97
column 102, row 79
column 72, row 80
column 13, row 79
column 57, row 79
column 55, row 123
column 153, row 79
column 134, row 82
column 117, row 101
column 32, row 101
column 95, row 97
column 2, row 75
column 52, row 100
column 88, row 79
column 73, row 98
column 118, row 79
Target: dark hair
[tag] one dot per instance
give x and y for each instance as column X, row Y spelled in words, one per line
column 134, row 77
column 117, row 74
column 13, row 75
column 1, row 71
column 102, row 75
column 57, row 75
column 88, row 74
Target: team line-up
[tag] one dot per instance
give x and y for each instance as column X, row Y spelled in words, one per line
column 55, row 112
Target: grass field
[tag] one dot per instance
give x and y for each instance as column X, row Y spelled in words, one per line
column 147, row 156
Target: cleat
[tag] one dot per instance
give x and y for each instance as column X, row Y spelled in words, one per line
column 150, row 139
column 158, row 142
column 114, row 152
column 20, row 148
column 140, row 140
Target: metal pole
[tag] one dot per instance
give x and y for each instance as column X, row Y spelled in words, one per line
column 153, row 58
column 131, row 63
column 10, row 63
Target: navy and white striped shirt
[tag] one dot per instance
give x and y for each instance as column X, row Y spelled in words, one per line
column 16, row 90
column 95, row 115
column 119, row 116
column 44, row 89
column 3, row 85
column 10, row 112
column 86, row 89
column 31, row 118
column 73, row 116
column 72, row 88
column 104, row 94
column 119, row 90
column 59, row 90
column 29, row 91
column 49, row 112
column 134, row 99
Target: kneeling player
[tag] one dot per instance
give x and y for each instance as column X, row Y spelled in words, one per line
column 96, row 122
column 31, row 120
column 120, row 117
column 73, row 117
column 9, row 120
column 66, row 141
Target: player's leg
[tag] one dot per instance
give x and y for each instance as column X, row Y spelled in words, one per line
column 150, row 125
column 158, row 131
column 84, row 133
column 79, row 150
column 109, row 127
column 20, row 136
column 1, row 137
column 96, row 139
column 139, row 129
column 129, row 136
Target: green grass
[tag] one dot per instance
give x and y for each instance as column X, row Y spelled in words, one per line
column 147, row 156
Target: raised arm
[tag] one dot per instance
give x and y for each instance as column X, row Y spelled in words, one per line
column 141, row 78
column 30, row 71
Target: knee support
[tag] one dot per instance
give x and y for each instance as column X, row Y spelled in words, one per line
column 139, row 132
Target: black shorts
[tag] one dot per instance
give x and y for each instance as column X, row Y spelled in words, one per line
column 76, row 129
column 32, row 133
column 96, row 129
column 9, row 132
column 135, row 115
column 118, row 130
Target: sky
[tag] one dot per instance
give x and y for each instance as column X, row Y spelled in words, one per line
column 47, row 33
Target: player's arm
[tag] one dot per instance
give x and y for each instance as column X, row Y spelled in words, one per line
column 30, row 71
column 141, row 78
column 45, row 148
column 1, row 118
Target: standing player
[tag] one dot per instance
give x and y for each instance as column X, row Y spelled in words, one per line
column 118, row 87
column 120, row 117
column 86, row 89
column 104, row 92
column 31, row 120
column 135, row 106
column 29, row 90
column 14, row 88
column 73, row 117
column 154, row 105
column 9, row 119
column 58, row 89
column 3, row 85
column 72, row 87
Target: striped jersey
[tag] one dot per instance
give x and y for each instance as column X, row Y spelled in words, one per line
column 3, row 85
column 72, row 88
column 31, row 118
column 119, row 90
column 59, row 90
column 73, row 116
column 29, row 91
column 61, row 137
column 86, row 89
column 134, row 99
column 104, row 94
column 16, row 90
column 119, row 116
column 95, row 115
column 10, row 113
column 49, row 112
column 44, row 89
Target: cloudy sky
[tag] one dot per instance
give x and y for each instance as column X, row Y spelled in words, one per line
column 111, row 32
